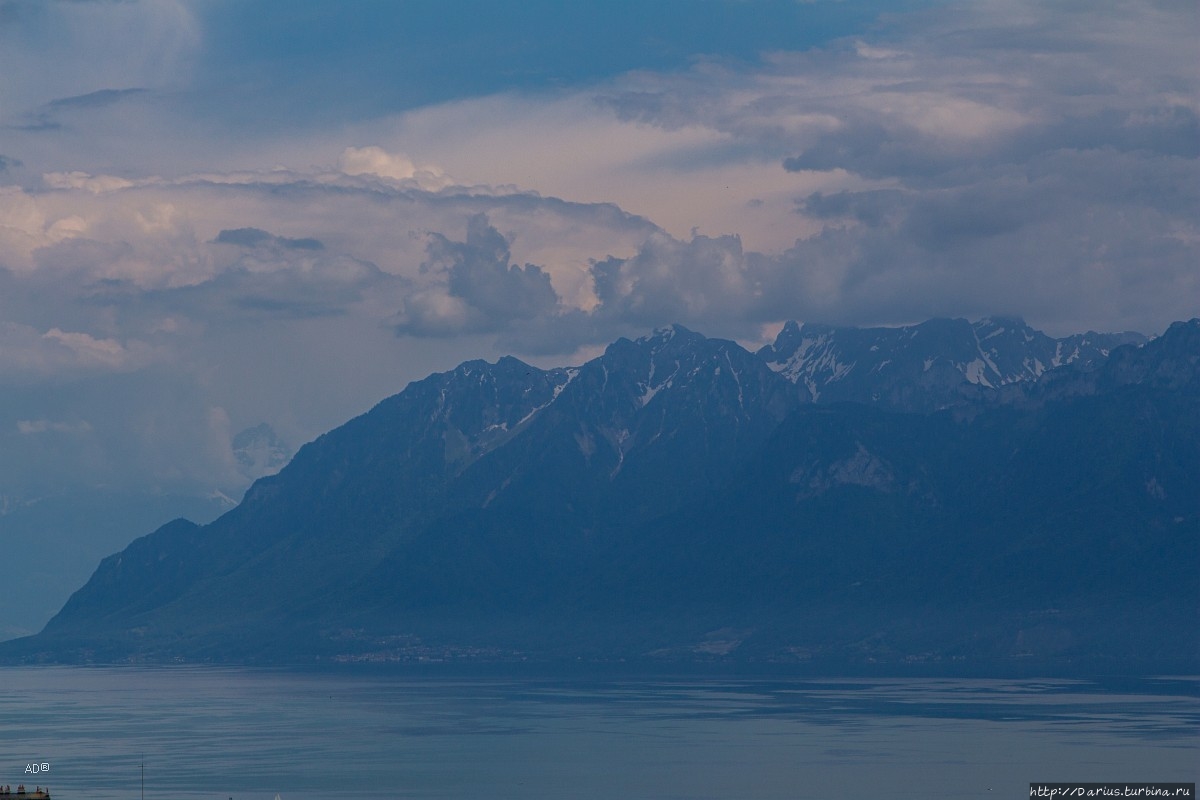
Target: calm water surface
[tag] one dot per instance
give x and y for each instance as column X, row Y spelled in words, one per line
column 249, row 735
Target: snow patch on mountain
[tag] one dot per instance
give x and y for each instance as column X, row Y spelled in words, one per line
column 927, row 366
column 976, row 372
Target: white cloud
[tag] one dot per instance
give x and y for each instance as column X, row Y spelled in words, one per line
column 27, row 354
column 397, row 166
column 90, row 350
column 96, row 184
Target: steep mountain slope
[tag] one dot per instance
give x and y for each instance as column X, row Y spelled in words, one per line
column 675, row 498
column 51, row 545
column 416, row 482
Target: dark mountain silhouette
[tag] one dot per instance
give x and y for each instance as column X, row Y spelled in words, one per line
column 678, row 499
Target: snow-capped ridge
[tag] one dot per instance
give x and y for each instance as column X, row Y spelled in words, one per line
column 931, row 365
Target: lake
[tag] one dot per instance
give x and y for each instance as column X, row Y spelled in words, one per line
column 249, row 735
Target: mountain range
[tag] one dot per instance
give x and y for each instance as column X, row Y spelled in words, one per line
column 949, row 495
column 928, row 366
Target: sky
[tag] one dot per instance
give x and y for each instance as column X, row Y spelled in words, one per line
column 215, row 214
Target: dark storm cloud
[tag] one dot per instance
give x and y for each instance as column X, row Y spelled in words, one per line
column 293, row 293
column 49, row 116
column 98, row 99
column 1084, row 236
column 482, row 291
column 871, row 207
column 1076, row 235
column 256, row 237
column 480, row 273
column 704, row 281
column 1017, row 155
column 709, row 282
column 1065, row 190
column 252, row 291
column 867, row 148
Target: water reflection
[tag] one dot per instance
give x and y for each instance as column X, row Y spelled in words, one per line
column 212, row 733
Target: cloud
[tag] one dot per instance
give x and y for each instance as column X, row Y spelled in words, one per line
column 376, row 161
column 62, row 57
column 256, row 237
column 143, row 306
column 96, row 184
column 708, row 279
column 711, row 282
column 275, row 288
column 29, row 427
column 950, row 87
column 956, row 164
column 1001, row 156
column 156, row 233
column 27, row 354
column 1010, row 155
column 158, row 261
column 480, row 290
column 100, row 98
column 49, row 116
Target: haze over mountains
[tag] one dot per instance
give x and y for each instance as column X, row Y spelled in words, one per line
column 53, row 537
column 950, row 494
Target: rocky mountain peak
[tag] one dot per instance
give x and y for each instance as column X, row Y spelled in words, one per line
column 935, row 364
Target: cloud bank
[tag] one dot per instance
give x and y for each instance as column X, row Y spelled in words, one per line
column 1000, row 157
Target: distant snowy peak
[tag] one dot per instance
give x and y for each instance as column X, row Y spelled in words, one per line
column 927, row 366
column 259, row 451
